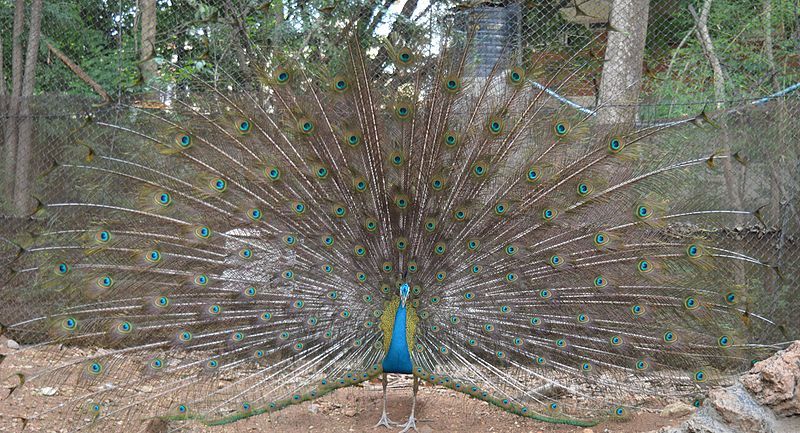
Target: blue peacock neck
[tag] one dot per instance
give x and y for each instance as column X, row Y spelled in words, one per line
column 397, row 358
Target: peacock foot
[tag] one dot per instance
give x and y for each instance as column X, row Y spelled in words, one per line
column 386, row 422
column 411, row 424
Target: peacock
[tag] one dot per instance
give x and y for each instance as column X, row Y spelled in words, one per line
column 243, row 248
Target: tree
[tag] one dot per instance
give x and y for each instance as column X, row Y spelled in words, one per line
column 621, row 81
column 147, row 65
column 18, row 135
column 12, row 126
column 23, row 187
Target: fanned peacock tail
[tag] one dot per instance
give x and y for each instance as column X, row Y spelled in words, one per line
column 260, row 236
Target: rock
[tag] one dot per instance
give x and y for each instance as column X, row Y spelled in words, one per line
column 587, row 430
column 771, row 387
column 775, row 382
column 676, row 410
column 740, row 411
column 349, row 412
column 12, row 344
column 156, row 425
column 47, row 391
column 313, row 408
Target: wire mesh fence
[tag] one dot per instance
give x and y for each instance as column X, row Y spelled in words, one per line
column 617, row 60
column 729, row 67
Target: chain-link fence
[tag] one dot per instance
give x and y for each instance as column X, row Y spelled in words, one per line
column 618, row 60
column 730, row 67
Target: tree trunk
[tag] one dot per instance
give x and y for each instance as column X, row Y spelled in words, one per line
column 239, row 42
column 23, row 188
column 3, row 88
column 719, row 94
column 775, row 155
column 277, row 10
column 147, row 65
column 12, row 126
column 621, row 81
column 708, row 49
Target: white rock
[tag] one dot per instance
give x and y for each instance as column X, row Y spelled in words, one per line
column 12, row 344
column 47, row 391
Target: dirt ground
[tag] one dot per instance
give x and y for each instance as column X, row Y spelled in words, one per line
column 438, row 410
column 354, row 409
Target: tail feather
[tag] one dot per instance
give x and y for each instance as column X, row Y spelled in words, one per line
column 239, row 252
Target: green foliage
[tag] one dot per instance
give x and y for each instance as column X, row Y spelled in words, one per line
column 737, row 30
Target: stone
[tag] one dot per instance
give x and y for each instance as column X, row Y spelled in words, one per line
column 12, row 344
column 156, row 425
column 775, row 382
column 676, row 410
column 313, row 408
column 350, row 412
column 740, row 411
column 47, row 391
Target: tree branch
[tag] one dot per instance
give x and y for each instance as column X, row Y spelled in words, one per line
column 80, row 73
column 704, row 36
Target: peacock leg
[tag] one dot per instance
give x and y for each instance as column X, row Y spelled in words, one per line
column 385, row 421
column 412, row 422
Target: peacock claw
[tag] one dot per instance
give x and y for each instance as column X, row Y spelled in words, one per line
column 411, row 424
column 386, row 422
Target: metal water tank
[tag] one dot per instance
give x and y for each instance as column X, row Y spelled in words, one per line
column 496, row 35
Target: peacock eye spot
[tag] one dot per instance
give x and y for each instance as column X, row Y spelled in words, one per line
column 341, row 85
column 244, row 126
column 164, row 199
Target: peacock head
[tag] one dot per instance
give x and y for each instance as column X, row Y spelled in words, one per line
column 404, row 291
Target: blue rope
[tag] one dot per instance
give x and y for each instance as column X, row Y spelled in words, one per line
column 783, row 92
column 591, row 112
column 569, row 102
